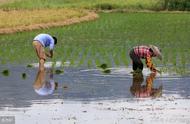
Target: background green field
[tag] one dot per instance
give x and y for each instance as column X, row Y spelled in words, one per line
column 99, row 4
column 108, row 40
column 90, row 4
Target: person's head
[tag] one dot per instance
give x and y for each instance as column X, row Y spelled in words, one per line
column 156, row 51
column 55, row 40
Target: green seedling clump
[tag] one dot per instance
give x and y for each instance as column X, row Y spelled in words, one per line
column 107, row 71
column 5, row 72
column 103, row 66
column 58, row 71
column 23, row 75
column 29, row 66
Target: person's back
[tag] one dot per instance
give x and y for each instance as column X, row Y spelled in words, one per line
column 46, row 40
column 143, row 51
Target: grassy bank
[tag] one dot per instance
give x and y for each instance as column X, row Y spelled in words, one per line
column 90, row 4
column 108, row 40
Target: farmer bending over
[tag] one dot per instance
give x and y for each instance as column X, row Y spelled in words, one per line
column 40, row 42
column 144, row 52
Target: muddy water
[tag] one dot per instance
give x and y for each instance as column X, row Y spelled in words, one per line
column 80, row 84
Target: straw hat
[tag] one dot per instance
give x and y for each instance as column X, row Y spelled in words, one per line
column 156, row 51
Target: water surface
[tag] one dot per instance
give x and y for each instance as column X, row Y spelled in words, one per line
column 82, row 84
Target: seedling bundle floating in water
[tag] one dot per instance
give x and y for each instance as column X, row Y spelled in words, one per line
column 5, row 72
column 29, row 66
column 59, row 71
column 104, row 68
column 23, row 75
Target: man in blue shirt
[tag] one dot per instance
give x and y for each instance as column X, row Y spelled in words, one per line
column 40, row 42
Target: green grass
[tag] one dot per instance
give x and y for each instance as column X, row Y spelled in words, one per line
column 108, row 40
column 90, row 4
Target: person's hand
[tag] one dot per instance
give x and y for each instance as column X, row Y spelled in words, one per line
column 156, row 71
column 48, row 54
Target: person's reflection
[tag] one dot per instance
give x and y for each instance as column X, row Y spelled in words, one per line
column 44, row 83
column 142, row 91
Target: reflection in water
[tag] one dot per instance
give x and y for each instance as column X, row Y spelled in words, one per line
column 79, row 85
column 141, row 91
column 44, row 83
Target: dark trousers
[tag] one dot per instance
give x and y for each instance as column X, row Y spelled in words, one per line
column 136, row 61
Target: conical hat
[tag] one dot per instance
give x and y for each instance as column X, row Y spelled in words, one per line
column 156, row 51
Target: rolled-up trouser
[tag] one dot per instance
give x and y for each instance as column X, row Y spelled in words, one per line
column 136, row 61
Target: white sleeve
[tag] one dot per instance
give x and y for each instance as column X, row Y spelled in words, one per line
column 51, row 46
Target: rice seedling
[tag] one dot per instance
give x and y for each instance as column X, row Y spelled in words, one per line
column 103, row 66
column 106, row 71
column 5, row 72
column 24, row 75
column 29, row 66
column 59, row 71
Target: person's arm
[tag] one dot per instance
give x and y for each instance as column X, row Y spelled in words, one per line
column 149, row 80
column 49, row 54
column 149, row 64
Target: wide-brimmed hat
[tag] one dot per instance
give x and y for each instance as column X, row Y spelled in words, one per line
column 156, row 51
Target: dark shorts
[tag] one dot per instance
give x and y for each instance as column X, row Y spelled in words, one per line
column 136, row 61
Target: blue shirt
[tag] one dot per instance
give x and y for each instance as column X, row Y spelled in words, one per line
column 46, row 40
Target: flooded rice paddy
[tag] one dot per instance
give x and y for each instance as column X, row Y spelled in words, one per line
column 83, row 95
column 80, row 84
